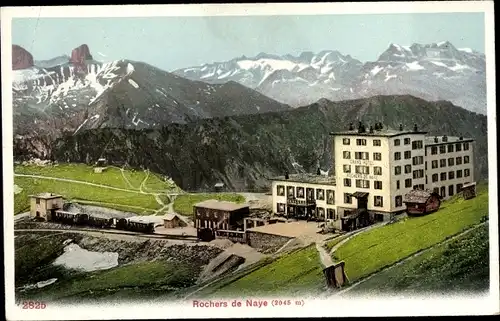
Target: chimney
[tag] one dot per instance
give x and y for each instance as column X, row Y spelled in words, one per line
column 445, row 138
column 351, row 126
column 436, row 139
column 380, row 126
column 415, row 128
column 318, row 172
column 461, row 138
column 401, row 127
column 286, row 175
column 371, row 129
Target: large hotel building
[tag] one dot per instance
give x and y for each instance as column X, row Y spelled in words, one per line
column 374, row 169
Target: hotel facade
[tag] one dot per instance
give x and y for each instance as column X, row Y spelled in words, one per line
column 373, row 171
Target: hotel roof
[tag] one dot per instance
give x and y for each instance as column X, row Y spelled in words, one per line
column 384, row 132
column 46, row 196
column 307, row 178
column 430, row 140
column 220, row 205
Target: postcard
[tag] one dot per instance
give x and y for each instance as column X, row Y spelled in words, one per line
column 249, row 160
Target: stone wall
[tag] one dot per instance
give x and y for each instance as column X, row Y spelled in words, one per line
column 266, row 243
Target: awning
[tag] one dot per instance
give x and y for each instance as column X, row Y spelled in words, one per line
column 360, row 194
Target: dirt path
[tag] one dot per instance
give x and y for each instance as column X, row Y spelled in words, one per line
column 409, row 258
column 125, row 178
column 324, row 256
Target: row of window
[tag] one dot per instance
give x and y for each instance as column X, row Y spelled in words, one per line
column 408, row 183
column 450, row 148
column 451, row 175
column 452, row 161
column 362, row 155
column 397, row 142
column 442, row 191
column 330, row 212
column 417, row 160
column 210, row 224
column 378, row 201
column 361, row 142
column 363, row 183
column 397, row 169
column 360, row 169
column 309, row 192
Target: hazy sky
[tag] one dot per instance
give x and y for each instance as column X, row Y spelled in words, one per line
column 177, row 42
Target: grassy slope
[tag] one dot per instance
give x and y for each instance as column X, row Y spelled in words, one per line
column 375, row 249
column 183, row 204
column 122, row 200
column 296, row 273
column 461, row 265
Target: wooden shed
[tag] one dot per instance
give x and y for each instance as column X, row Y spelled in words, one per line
column 419, row 202
column 469, row 190
column 172, row 221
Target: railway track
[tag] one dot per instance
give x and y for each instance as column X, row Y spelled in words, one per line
column 112, row 232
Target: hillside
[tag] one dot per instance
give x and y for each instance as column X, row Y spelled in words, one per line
column 243, row 151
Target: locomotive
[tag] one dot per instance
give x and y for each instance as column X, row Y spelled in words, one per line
column 70, row 218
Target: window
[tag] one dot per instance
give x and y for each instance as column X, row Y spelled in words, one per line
column 442, row 162
column 417, row 144
column 38, row 213
column 347, row 198
column 346, row 141
column 399, row 201
column 347, row 168
column 466, row 172
column 443, row 176
column 436, row 190
column 408, row 182
column 397, row 142
column 466, row 160
column 361, row 155
column 300, row 192
column 450, row 190
column 459, row 173
column 378, row 184
column 418, row 174
column 280, row 190
column 459, row 187
column 443, row 191
column 407, row 169
column 397, row 185
column 362, row 183
column 458, row 147
column 330, row 196
column 420, row 187
column 434, row 164
column 377, row 142
column 407, row 141
column 331, row 214
column 290, row 191
column 466, row 146
column 397, row 155
column 362, row 169
column 377, row 156
column 450, row 148
column 347, row 155
column 426, row 181
column 408, row 154
column 347, row 182
column 378, row 201
column 418, row 160
column 451, row 175
column 320, row 194
column 397, row 170
column 377, row 170
column 451, row 160
column 442, row 149
column 361, row 142
column 459, row 160
column 280, row 207
column 38, row 201
column 426, row 165
column 435, row 177
column 434, row 150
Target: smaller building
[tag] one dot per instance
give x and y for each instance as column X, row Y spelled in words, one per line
column 469, row 190
column 173, row 221
column 44, row 205
column 219, row 187
column 420, row 202
column 213, row 215
column 101, row 162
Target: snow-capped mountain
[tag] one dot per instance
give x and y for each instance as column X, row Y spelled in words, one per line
column 78, row 93
column 432, row 71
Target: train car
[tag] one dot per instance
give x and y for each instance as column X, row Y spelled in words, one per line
column 121, row 224
column 81, row 219
column 142, row 227
column 64, row 217
column 98, row 222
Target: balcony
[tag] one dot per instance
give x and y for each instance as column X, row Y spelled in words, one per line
column 296, row 202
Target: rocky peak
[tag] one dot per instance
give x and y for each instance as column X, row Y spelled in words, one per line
column 80, row 54
column 21, row 58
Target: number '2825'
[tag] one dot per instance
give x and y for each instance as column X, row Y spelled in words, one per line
column 34, row 305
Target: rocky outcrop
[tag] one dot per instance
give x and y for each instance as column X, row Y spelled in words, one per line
column 80, row 54
column 21, row 58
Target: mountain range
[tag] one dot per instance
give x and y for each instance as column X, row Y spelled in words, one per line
column 437, row 71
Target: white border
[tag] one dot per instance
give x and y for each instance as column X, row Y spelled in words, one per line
column 417, row 306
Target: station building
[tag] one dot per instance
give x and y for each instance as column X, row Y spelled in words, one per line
column 373, row 169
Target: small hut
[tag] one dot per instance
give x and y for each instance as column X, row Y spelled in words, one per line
column 469, row 190
column 173, row 221
column 219, row 187
column 419, row 202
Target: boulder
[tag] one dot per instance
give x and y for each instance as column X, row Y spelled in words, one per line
column 80, row 54
column 21, row 58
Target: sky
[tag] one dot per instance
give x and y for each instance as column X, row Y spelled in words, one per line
column 177, row 42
